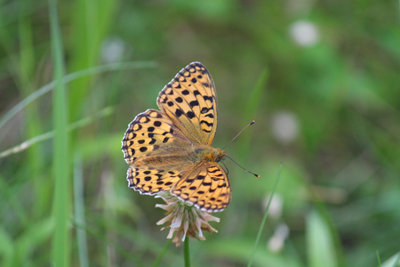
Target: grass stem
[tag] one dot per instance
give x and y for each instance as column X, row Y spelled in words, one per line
column 265, row 217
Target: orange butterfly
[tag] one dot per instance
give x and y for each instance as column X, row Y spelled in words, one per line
column 170, row 150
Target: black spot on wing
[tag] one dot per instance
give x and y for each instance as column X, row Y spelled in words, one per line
column 190, row 114
column 206, row 123
column 152, row 141
column 194, row 103
column 200, row 177
column 205, row 110
column 210, row 98
column 178, row 113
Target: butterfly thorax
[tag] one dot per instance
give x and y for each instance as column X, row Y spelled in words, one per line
column 208, row 153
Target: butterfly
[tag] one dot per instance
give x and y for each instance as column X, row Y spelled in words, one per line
column 170, row 149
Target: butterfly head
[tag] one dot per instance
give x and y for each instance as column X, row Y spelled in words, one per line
column 219, row 154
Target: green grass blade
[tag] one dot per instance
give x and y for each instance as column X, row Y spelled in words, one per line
column 73, row 76
column 90, row 24
column 101, row 237
column 256, row 95
column 378, row 258
column 159, row 257
column 36, row 235
column 7, row 249
column 320, row 243
column 265, row 218
column 393, row 261
column 5, row 193
column 40, row 138
column 61, row 164
column 80, row 212
column 252, row 106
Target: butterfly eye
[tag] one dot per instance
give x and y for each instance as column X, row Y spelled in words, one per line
column 219, row 157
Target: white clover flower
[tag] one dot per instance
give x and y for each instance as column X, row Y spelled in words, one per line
column 184, row 219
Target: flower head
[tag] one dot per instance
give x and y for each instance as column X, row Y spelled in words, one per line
column 184, row 219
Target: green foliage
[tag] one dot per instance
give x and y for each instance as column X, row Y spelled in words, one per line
column 329, row 109
column 320, row 245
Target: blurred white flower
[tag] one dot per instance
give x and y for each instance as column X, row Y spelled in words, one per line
column 285, row 126
column 275, row 209
column 304, row 33
column 112, row 49
column 277, row 241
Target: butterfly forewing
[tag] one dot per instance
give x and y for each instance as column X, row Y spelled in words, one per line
column 190, row 101
column 206, row 186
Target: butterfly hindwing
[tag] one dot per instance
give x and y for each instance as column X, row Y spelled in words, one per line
column 206, row 186
column 150, row 181
column 190, row 101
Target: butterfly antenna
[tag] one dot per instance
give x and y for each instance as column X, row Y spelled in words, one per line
column 251, row 123
column 227, row 170
column 256, row 175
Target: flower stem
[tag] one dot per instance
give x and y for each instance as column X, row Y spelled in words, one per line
column 186, row 253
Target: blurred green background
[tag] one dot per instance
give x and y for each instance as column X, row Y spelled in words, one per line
column 320, row 78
